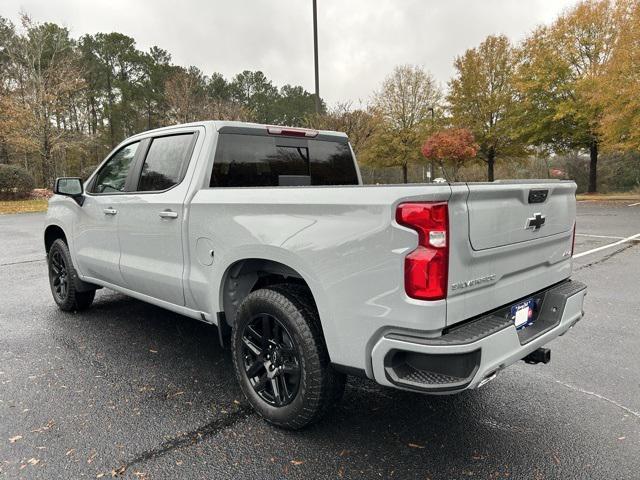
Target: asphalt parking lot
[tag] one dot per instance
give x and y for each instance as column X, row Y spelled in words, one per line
column 129, row 389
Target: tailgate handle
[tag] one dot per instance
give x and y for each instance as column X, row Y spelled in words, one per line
column 538, row 196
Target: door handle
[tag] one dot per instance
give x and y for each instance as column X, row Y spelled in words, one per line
column 110, row 211
column 168, row 214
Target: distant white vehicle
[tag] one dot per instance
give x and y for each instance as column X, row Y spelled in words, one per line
column 439, row 180
column 268, row 233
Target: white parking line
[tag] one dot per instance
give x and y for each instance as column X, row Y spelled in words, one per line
column 633, row 204
column 598, row 236
column 619, row 242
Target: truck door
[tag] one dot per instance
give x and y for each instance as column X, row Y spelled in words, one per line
column 151, row 219
column 96, row 230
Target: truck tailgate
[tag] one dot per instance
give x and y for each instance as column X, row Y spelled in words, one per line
column 508, row 213
column 508, row 240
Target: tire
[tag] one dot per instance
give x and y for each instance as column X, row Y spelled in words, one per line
column 307, row 384
column 63, row 280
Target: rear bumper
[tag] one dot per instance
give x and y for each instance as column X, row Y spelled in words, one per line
column 468, row 355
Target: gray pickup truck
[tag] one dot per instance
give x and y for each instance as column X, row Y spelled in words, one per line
column 268, row 233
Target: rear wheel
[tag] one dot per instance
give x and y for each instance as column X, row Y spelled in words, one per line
column 280, row 357
column 63, row 277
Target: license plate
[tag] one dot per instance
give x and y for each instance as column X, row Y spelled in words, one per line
column 522, row 314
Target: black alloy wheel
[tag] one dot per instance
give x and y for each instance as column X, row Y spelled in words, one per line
column 69, row 293
column 271, row 360
column 280, row 357
column 59, row 276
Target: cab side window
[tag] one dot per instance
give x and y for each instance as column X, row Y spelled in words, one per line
column 165, row 163
column 112, row 177
column 265, row 161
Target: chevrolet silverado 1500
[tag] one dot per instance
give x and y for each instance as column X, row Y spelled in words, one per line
column 268, row 233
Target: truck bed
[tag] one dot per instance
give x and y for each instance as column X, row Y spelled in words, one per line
column 346, row 244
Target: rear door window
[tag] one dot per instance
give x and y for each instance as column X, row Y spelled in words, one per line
column 256, row 161
column 165, row 163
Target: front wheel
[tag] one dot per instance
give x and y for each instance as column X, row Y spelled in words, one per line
column 280, row 357
column 62, row 279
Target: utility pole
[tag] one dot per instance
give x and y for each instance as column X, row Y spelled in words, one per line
column 315, row 54
column 433, row 122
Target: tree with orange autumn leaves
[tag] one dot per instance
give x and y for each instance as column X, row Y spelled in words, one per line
column 618, row 89
column 451, row 149
column 561, row 69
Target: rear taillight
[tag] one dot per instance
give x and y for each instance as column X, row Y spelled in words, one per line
column 573, row 239
column 426, row 268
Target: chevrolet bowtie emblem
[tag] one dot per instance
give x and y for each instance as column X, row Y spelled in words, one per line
column 534, row 223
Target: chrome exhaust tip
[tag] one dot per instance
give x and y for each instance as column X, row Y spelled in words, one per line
column 487, row 379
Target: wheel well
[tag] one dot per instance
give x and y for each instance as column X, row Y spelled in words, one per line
column 245, row 276
column 51, row 234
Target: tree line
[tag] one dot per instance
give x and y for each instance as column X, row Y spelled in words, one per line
column 568, row 89
column 65, row 102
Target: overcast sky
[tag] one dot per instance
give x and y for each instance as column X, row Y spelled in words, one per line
column 360, row 40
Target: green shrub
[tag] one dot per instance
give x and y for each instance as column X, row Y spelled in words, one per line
column 15, row 182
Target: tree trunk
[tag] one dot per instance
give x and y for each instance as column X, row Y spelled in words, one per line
column 491, row 160
column 46, row 164
column 4, row 153
column 94, row 116
column 405, row 176
column 74, row 117
column 93, row 126
column 45, row 151
column 593, row 166
column 112, row 135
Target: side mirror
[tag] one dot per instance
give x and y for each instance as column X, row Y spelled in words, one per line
column 70, row 187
